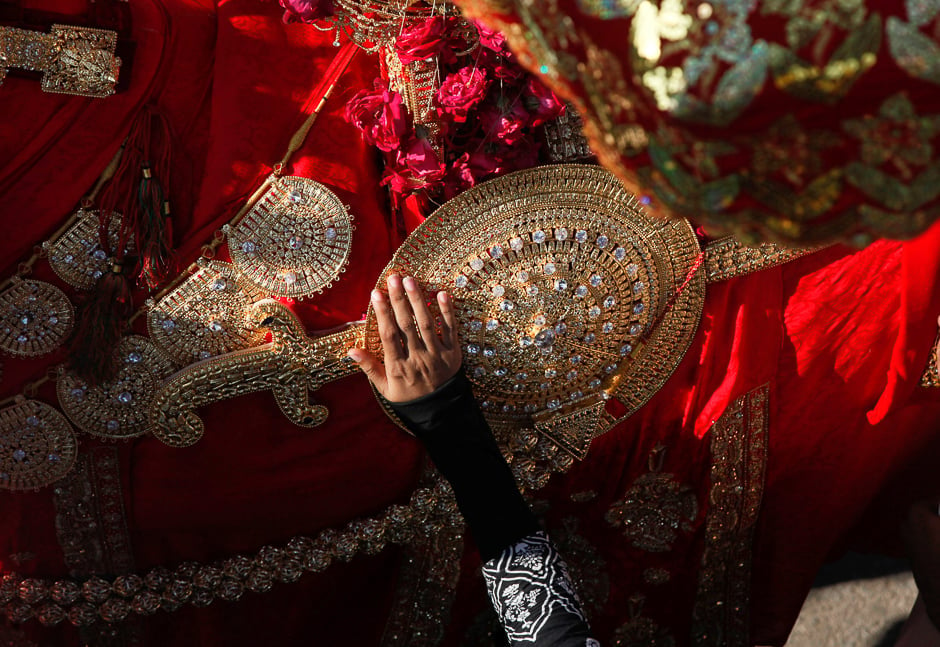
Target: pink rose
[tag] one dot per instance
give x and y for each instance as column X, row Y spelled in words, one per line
column 504, row 122
column 306, row 10
column 491, row 39
column 541, row 103
column 459, row 177
column 418, row 156
column 380, row 115
column 420, row 40
column 460, row 92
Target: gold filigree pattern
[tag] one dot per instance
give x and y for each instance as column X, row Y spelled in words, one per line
column 35, row 318
column 931, row 376
column 739, row 459
column 76, row 256
column 373, row 24
column 118, row 408
column 564, row 139
column 74, row 60
column 560, row 282
column 641, row 631
column 207, row 315
column 295, row 240
column 290, row 366
column 37, row 445
column 727, row 258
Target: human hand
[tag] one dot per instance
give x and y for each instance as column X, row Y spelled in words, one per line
column 921, row 532
column 417, row 359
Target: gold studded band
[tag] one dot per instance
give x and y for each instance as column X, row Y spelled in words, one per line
column 73, row 60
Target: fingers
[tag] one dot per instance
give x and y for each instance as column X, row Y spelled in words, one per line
column 404, row 315
column 448, row 321
column 422, row 315
column 372, row 367
column 388, row 329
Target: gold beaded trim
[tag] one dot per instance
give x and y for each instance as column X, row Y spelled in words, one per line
column 74, row 60
column 727, row 258
column 931, row 377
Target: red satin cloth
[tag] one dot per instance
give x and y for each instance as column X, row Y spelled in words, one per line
column 840, row 336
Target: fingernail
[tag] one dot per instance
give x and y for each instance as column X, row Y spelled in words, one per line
column 353, row 354
column 394, row 280
column 409, row 283
column 376, row 296
column 442, row 296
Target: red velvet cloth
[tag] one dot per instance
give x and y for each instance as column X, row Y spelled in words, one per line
column 841, row 337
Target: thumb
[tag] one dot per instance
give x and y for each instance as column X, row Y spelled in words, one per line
column 373, row 368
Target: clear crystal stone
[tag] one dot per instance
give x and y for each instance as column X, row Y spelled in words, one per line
column 295, row 242
column 638, row 308
column 22, row 339
column 532, row 290
column 572, row 374
column 575, row 359
column 496, row 251
column 489, row 351
column 492, row 324
column 290, row 278
column 636, row 329
column 561, row 328
column 626, row 349
column 522, row 276
column 219, row 284
column 576, row 395
column 168, row 325
column 581, row 291
column 501, row 371
column 53, row 458
column 581, row 236
column 296, row 195
column 545, row 338
column 522, row 376
column 68, row 258
column 594, row 312
column 561, row 285
column 216, row 326
column 26, row 318
column 545, row 386
column 97, row 274
column 633, row 270
column 53, row 320
column 538, row 236
column 204, row 354
column 476, row 264
column 550, row 373
column 620, row 253
column 595, row 383
column 608, row 327
column 561, row 233
column 330, row 233
column 19, row 455
column 472, row 349
column 539, row 320
column 479, row 371
column 33, row 421
column 249, row 247
column 461, row 281
column 125, row 397
column 77, row 393
column 610, row 368
column 638, row 287
column 506, row 305
column 602, row 241
column 100, row 255
column 553, row 404
column 525, row 341
column 609, row 302
column 475, row 325
column 549, row 268
column 596, row 280
column 498, row 290
column 113, row 425
column 589, row 338
column 516, row 243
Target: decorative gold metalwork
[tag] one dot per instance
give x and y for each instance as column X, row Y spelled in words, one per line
column 560, row 283
column 118, row 408
column 74, row 60
column 417, row 83
column 290, row 366
column 295, row 240
column 564, row 139
column 35, row 318
column 739, row 460
column 373, row 24
column 931, row 376
column 727, row 258
column 76, row 256
column 88, row 600
column 37, row 445
column 206, row 315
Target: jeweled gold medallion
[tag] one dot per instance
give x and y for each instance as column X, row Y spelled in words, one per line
column 295, row 241
column 37, row 445
column 561, row 283
column 118, row 408
column 77, row 257
column 35, row 318
column 206, row 315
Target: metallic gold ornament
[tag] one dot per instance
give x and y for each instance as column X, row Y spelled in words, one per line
column 76, row 256
column 37, row 445
column 118, row 408
column 295, row 241
column 561, row 282
column 35, row 318
column 205, row 316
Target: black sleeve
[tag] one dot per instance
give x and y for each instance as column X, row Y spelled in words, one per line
column 459, row 441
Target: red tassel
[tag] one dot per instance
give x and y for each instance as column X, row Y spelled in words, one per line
column 155, row 234
column 100, row 324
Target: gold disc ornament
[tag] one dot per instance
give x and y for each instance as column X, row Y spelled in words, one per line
column 76, row 256
column 206, row 315
column 561, row 283
column 118, row 408
column 35, row 318
column 295, row 241
column 37, row 445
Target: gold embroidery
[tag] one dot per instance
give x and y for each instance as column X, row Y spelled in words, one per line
column 118, row 408
column 294, row 241
column 727, row 258
column 739, row 457
column 35, row 317
column 655, row 509
column 640, row 631
column 931, row 376
column 74, row 60
column 37, row 445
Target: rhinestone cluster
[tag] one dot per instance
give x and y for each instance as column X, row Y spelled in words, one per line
column 35, row 318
